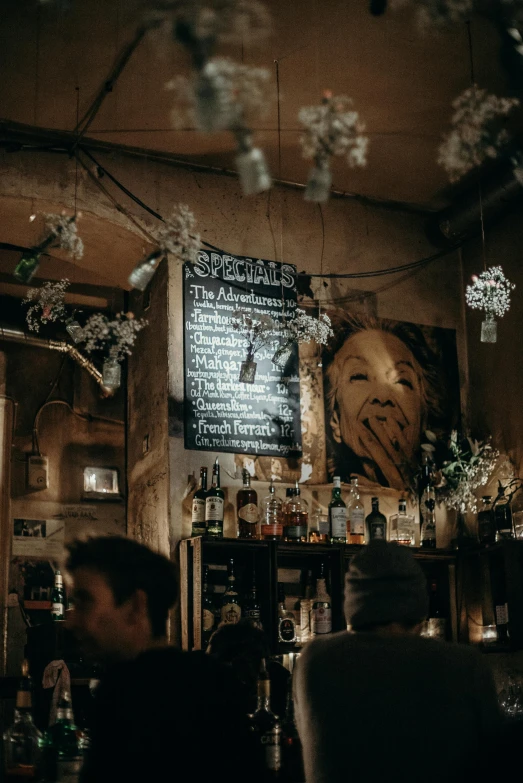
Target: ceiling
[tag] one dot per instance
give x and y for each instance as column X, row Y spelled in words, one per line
column 401, row 80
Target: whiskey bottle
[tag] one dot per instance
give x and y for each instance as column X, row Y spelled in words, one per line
column 208, row 610
column 376, row 522
column 22, row 740
column 319, row 528
column 58, row 598
column 267, row 730
column 356, row 515
column 403, row 525
column 296, row 516
column 271, row 528
column 231, row 610
column 503, row 520
column 321, row 610
column 428, row 518
column 306, row 609
column 337, row 514
column 247, row 508
column 198, row 506
column 251, row 605
column 62, row 755
column 214, row 505
column 486, row 522
column 286, row 620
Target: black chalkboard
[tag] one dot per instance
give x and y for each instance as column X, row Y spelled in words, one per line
column 220, row 413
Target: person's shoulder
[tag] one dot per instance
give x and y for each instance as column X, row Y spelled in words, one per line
column 320, row 649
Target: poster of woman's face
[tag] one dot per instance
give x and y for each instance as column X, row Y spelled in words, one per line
column 385, row 382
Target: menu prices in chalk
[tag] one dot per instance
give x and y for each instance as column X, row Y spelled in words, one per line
column 222, row 414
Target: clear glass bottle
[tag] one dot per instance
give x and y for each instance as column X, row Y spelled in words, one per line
column 271, row 528
column 337, row 514
column 403, row 525
column 319, row 527
column 22, row 740
column 321, row 610
column 306, row 609
column 286, row 620
column 111, row 374
column 251, row 605
column 296, row 516
column 376, row 522
column 198, row 506
column 231, row 610
column 435, row 627
column 214, row 505
column 144, row 271
column 486, row 522
column 356, row 515
column 208, row 609
column 267, row 729
column 58, row 598
column 62, row 753
column 247, row 509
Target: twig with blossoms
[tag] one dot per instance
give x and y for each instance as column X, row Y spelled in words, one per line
column 47, row 304
column 115, row 338
column 490, row 291
column 256, row 329
column 476, row 134
column 177, row 235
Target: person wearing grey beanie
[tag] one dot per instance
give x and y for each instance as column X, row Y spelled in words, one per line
column 380, row 702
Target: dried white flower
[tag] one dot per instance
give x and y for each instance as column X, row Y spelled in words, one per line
column 220, row 96
column 116, row 338
column 333, row 128
column 49, row 304
column 303, row 328
column 438, row 13
column 490, row 291
column 257, row 329
column 230, row 21
column 177, row 235
column 475, row 134
column 66, row 233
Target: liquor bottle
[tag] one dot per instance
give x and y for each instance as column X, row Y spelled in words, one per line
column 321, row 610
column 319, row 528
column 428, row 518
column 356, row 516
column 22, row 740
column 58, row 598
column 143, row 272
column 403, row 525
column 503, row 520
column 337, row 514
column 271, row 528
column 306, row 609
column 251, row 605
column 198, row 506
column 214, row 505
column 231, row 610
column 498, row 588
column 486, row 521
column 286, row 620
column 291, row 753
column 296, row 516
column 62, row 754
column 435, row 627
column 267, row 730
column 247, row 507
column 376, row 522
column 208, row 610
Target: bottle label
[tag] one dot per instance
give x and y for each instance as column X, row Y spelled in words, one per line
column 321, row 618
column 57, row 610
column 296, row 532
column 271, row 531
column 338, row 516
column 231, row 613
column 207, row 619
column 198, row 511
column 214, row 509
column 270, row 741
column 305, row 619
column 357, row 521
column 287, row 629
column 406, row 528
column 249, row 513
column 377, row 530
column 68, row 770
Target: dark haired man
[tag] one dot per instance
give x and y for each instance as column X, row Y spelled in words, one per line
column 381, row 703
column 158, row 710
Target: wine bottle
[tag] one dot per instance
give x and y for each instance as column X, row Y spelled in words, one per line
column 22, row 740
column 214, row 505
column 267, row 730
column 272, row 522
column 247, row 507
column 198, row 506
column 376, row 522
column 337, row 514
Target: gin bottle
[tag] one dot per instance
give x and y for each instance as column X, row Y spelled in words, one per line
column 356, row 522
column 403, row 526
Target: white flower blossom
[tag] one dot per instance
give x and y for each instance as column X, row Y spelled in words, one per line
column 490, row 291
column 116, row 338
column 66, row 232
column 49, row 304
column 230, row 21
column 257, row 329
column 333, row 128
column 437, row 13
column 303, row 328
column 475, row 134
column 177, row 235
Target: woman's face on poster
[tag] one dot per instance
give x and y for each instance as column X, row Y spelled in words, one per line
column 378, row 404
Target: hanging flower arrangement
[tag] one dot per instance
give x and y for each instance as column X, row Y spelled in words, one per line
column 257, row 330
column 47, row 304
column 303, row 328
column 490, row 291
column 62, row 233
column 438, row 13
column 115, row 338
column 332, row 128
column 476, row 134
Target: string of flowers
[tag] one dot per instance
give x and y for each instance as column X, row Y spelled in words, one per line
column 490, row 291
column 476, row 134
column 303, row 328
column 114, row 337
column 332, row 128
column 47, row 304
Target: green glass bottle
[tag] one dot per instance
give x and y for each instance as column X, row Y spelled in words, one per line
column 214, row 505
column 62, row 755
column 198, row 506
column 337, row 514
column 27, row 266
column 22, row 740
column 231, row 610
column 58, row 598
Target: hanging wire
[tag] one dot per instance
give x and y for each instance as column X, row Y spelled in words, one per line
column 321, row 257
column 480, row 195
column 76, row 156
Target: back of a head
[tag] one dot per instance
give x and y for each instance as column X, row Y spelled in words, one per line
column 129, row 566
column 384, row 584
column 239, row 640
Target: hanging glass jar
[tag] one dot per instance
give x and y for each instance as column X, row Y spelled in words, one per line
column 282, row 355
column 489, row 329
column 111, row 374
column 319, row 182
column 74, row 330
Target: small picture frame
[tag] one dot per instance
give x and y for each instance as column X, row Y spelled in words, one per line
column 101, row 484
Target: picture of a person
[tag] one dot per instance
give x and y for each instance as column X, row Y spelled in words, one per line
column 382, row 385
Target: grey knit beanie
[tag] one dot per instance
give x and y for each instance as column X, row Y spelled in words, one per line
column 384, row 584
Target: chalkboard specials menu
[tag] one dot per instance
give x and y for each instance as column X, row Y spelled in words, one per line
column 220, row 413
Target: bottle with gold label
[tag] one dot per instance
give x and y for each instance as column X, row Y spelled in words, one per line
column 247, row 507
column 22, row 740
column 198, row 527
column 214, row 505
column 231, row 610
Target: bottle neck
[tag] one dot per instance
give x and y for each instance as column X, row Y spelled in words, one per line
column 23, row 715
column 216, row 478
column 264, row 694
column 64, row 714
column 203, row 481
column 336, row 493
column 246, row 481
column 321, row 586
column 375, row 507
